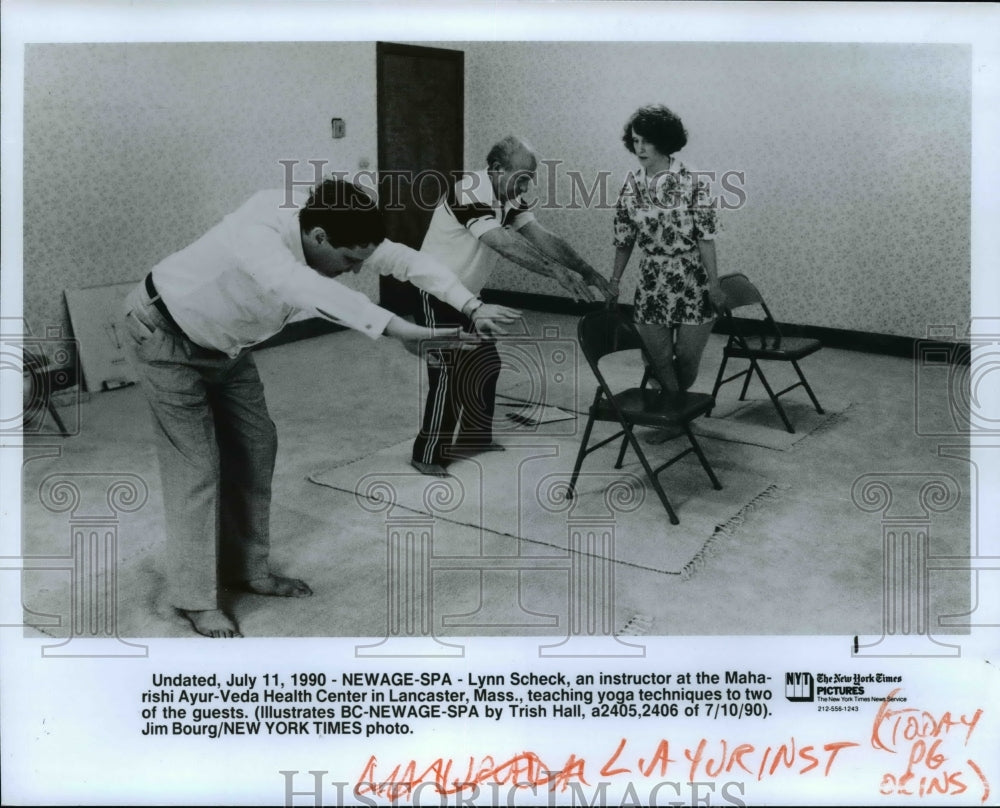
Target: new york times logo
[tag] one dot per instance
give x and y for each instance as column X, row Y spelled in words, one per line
column 799, row 686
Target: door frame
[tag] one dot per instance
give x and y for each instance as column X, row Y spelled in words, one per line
column 398, row 297
column 393, row 48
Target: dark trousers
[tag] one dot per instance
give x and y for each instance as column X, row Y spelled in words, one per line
column 461, row 389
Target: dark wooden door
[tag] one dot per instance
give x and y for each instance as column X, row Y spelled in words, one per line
column 421, row 120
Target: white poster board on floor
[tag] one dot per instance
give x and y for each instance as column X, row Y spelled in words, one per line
column 96, row 315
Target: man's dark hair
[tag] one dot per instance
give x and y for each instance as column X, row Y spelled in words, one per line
column 347, row 212
column 659, row 126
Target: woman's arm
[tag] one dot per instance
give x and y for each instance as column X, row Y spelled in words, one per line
column 622, row 254
column 707, row 250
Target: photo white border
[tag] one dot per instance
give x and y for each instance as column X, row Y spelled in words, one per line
column 89, row 739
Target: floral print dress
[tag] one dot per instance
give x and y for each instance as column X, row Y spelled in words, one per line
column 665, row 218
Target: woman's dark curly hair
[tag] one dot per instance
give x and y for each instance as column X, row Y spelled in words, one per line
column 659, row 126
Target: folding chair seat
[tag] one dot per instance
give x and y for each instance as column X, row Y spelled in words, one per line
column 758, row 339
column 606, row 332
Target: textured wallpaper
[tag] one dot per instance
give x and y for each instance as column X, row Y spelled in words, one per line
column 855, row 157
column 856, row 162
column 134, row 150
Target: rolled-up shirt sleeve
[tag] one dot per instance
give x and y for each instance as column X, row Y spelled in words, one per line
column 422, row 270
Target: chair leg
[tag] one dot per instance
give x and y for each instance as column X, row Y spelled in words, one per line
column 718, row 376
column 579, row 457
column 55, row 417
column 805, row 384
column 701, row 456
column 621, row 452
column 774, row 400
column 645, row 378
column 647, row 374
column 630, row 436
column 746, row 381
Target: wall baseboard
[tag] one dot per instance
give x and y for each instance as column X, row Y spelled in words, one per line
column 840, row 338
column 936, row 351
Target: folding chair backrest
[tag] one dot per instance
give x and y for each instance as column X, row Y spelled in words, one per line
column 740, row 292
column 604, row 332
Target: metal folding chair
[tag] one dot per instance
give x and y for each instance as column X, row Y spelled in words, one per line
column 757, row 340
column 35, row 370
column 605, row 332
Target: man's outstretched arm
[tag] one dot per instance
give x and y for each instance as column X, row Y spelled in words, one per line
column 435, row 278
column 413, row 336
column 558, row 248
column 515, row 247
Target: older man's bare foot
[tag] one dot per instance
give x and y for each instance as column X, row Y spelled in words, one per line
column 212, row 623
column 430, row 469
column 279, row 587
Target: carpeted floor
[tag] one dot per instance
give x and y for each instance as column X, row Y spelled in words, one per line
column 793, row 544
column 520, row 494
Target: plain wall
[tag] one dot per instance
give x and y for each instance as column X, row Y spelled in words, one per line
column 856, row 157
column 132, row 151
column 856, row 161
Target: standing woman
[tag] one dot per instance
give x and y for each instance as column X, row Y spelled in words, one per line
column 664, row 211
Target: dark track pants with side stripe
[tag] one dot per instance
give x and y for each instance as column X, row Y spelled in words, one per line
column 461, row 389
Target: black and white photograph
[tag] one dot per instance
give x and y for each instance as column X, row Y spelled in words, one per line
column 468, row 404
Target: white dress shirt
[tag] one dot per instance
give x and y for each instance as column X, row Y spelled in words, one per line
column 247, row 277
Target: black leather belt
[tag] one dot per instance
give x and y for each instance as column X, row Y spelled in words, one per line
column 156, row 300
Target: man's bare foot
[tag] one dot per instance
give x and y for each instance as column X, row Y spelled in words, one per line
column 663, row 435
column 278, row 586
column 212, row 623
